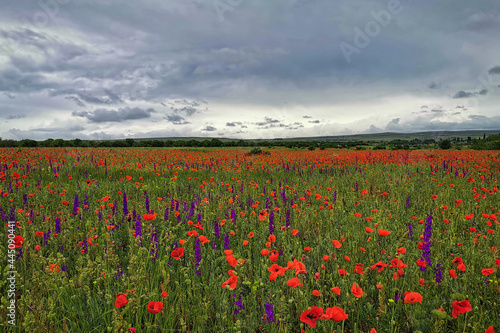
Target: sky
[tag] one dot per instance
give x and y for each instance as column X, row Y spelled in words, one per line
column 243, row 69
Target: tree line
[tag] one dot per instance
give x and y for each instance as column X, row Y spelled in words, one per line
column 490, row 142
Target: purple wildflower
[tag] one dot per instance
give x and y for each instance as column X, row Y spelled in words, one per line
column 238, row 305
column 75, row 205
column 197, row 255
column 269, row 312
column 125, row 205
column 271, row 223
column 58, row 225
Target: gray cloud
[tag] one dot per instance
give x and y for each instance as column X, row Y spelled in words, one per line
column 209, row 128
column 124, row 114
column 104, row 57
column 233, row 124
column 314, row 121
column 434, row 85
column 465, row 94
column 494, row 70
column 267, row 120
column 16, row 116
column 176, row 119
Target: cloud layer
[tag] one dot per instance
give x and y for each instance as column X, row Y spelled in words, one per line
column 249, row 69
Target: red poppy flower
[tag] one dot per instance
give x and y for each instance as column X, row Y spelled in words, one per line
column 487, row 271
column 231, row 260
column 460, row 308
column 231, row 282
column 39, row 233
column 342, row 271
column 401, row 251
column 155, row 307
column 164, row 293
column 383, row 233
column 277, row 269
column 192, row 233
column 358, row 270
column 368, row 229
column 121, row 300
column 294, row 282
column 490, row 329
column 177, row 254
column 336, row 243
column 335, row 313
column 413, row 297
column 326, row 257
column 379, row 266
column 421, row 262
column 311, row 315
column 274, row 256
column 316, row 293
column 356, row 290
column 148, row 217
column 452, row 273
column 65, row 203
column 18, row 241
column 336, row 290
column 204, row 239
column 397, row 263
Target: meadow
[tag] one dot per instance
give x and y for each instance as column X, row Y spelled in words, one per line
column 166, row 240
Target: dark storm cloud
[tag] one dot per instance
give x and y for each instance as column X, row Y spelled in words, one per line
column 106, row 97
column 465, row 94
column 209, row 128
column 16, row 116
column 176, row 119
column 234, row 124
column 494, row 70
column 267, row 120
column 112, row 54
column 187, row 111
column 76, row 100
column 124, row 114
column 434, row 85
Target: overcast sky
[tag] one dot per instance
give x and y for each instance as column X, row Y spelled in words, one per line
column 99, row 69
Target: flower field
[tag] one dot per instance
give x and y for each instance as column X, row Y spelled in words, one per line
column 219, row 241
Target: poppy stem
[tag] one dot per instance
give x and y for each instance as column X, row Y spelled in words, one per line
column 465, row 321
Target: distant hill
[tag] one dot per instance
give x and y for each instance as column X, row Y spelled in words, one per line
column 387, row 136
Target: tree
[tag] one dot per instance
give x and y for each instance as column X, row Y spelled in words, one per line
column 445, row 144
